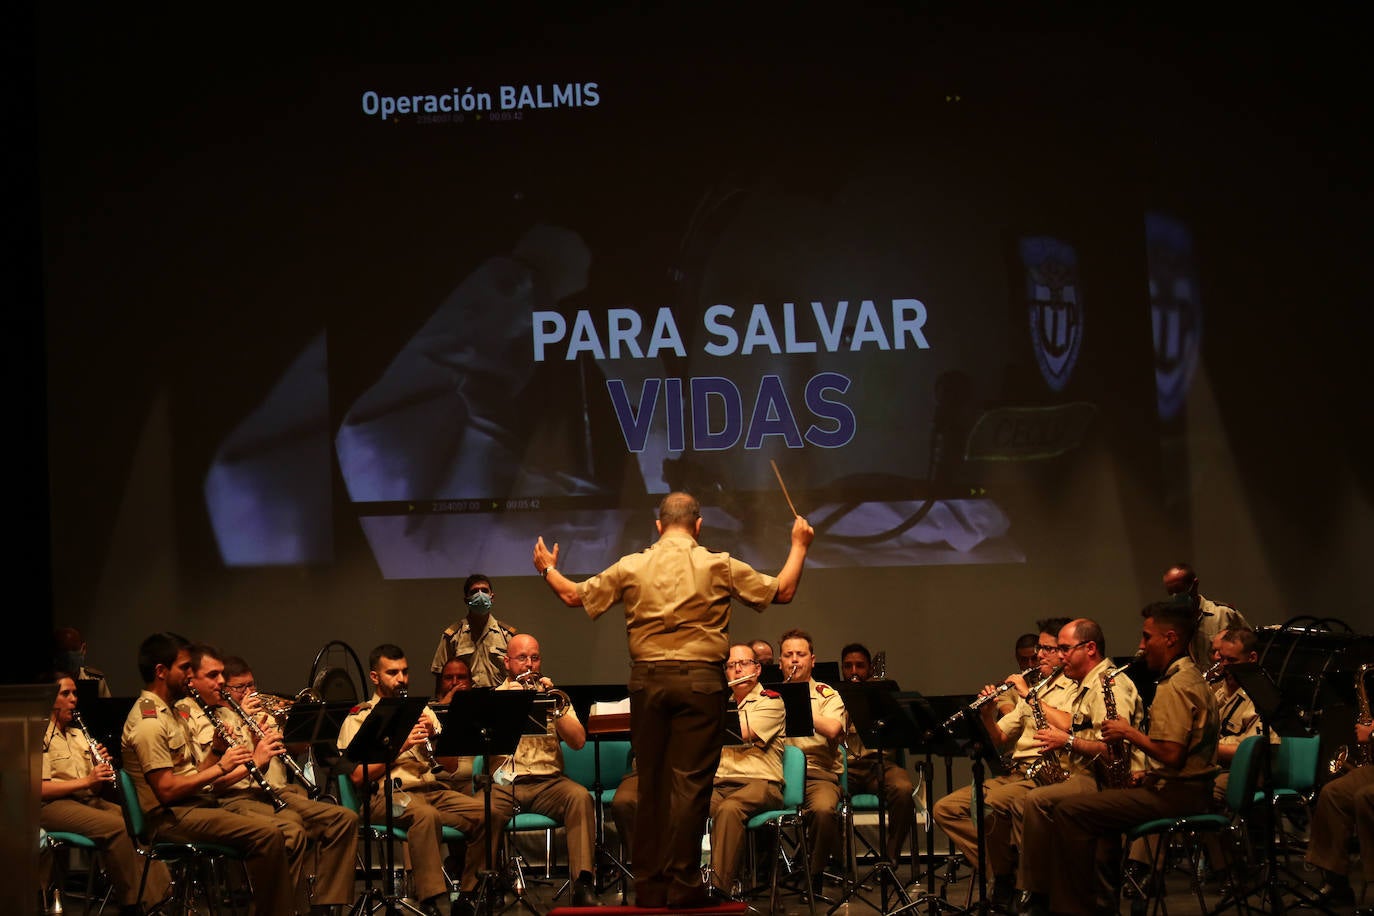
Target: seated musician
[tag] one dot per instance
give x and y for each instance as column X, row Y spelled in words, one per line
column 856, row 666
column 332, row 830
column 1180, row 753
column 749, row 779
column 1239, row 718
column 454, row 677
column 823, row 763
column 174, row 791
column 534, row 778
column 425, row 804
column 71, row 792
column 1076, row 735
column 954, row 812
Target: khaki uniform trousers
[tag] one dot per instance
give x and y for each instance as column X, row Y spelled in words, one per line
column 1001, row 796
column 565, row 801
column 822, row 815
column 103, row 822
column 424, row 815
column 321, row 843
column 623, row 805
column 263, row 843
column 897, row 789
column 1088, row 829
column 1344, row 805
column 732, row 804
column 1038, row 820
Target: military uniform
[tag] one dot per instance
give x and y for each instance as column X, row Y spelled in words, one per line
column 67, row 756
column 154, row 739
column 1037, row 814
column 1184, row 712
column 321, row 838
column 533, row 778
column 422, row 806
column 484, row 653
column 748, row 781
column 823, row 770
column 677, row 598
column 1239, row 720
column 1344, row 805
column 1213, row 617
column 895, row 784
column 102, row 688
column 1002, row 794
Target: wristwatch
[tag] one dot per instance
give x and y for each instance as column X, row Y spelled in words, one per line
column 1069, row 743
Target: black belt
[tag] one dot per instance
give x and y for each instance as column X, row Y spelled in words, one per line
column 678, row 663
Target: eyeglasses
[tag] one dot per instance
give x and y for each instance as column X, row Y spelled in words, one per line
column 526, row 659
column 1065, row 650
column 1046, row 648
column 736, row 665
column 248, row 686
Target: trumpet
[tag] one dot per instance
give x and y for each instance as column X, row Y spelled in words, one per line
column 231, row 739
column 97, row 758
column 530, row 680
column 987, row 698
column 1215, row 673
column 279, row 707
column 312, row 790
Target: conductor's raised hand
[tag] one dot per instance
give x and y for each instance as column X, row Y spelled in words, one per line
column 802, row 532
column 543, row 557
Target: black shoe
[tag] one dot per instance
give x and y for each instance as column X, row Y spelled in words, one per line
column 430, row 907
column 1336, row 893
column 463, row 906
column 584, row 891
column 1003, row 893
column 1033, row 904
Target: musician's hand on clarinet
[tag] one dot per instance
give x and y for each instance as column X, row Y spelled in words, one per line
column 236, row 756
column 268, row 746
column 100, row 775
column 418, row 735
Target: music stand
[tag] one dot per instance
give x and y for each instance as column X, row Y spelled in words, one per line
column 600, row 728
column 488, row 722
column 379, row 741
column 929, row 713
column 1277, row 715
column 881, row 723
column 312, row 723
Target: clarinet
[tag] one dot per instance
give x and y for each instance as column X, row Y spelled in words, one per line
column 311, row 790
column 230, row 739
column 97, row 758
column 434, row 765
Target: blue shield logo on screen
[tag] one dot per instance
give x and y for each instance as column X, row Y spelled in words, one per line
column 1175, row 310
column 1054, row 306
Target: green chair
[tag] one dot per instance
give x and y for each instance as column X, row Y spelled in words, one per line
column 1240, row 797
column 789, row 816
column 57, row 841
column 348, row 798
column 184, row 860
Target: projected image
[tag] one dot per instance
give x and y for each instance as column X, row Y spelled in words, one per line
column 1175, row 310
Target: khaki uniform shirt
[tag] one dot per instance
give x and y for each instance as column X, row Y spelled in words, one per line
column 1184, row 711
column 762, row 757
column 822, row 754
column 200, row 731
column 1019, row 724
column 1239, row 718
column 154, row 739
column 66, row 756
column 1212, row 619
column 412, row 767
column 677, row 598
column 1089, row 710
column 485, row 652
column 102, row 689
column 535, row 755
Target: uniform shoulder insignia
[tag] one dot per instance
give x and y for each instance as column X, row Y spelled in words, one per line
column 359, row 708
column 772, row 694
column 450, row 631
column 507, row 629
column 824, row 690
column 184, row 713
column 147, row 708
column 94, row 674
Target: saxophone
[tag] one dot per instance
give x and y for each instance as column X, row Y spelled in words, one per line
column 1046, row 770
column 1114, row 768
column 1344, row 759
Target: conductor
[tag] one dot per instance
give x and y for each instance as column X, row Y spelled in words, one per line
column 677, row 610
